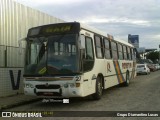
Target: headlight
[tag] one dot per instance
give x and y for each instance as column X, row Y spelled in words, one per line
column 65, row 85
column 69, row 85
column 28, row 85
column 72, row 85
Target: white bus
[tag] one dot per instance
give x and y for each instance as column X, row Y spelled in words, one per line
column 73, row 60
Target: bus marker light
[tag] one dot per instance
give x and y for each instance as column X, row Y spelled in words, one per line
column 77, row 84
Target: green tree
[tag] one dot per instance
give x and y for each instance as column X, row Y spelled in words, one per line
column 153, row 56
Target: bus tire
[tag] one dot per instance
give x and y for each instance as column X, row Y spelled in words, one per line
column 126, row 83
column 97, row 95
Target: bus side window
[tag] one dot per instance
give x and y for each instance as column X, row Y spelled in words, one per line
column 128, row 53
column 120, row 51
column 99, row 47
column 133, row 54
column 89, row 49
column 114, row 50
column 107, row 49
column 88, row 61
column 124, row 52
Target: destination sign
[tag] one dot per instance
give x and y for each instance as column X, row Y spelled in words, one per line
column 53, row 29
column 57, row 29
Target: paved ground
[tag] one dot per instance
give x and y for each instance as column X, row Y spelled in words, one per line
column 143, row 94
column 15, row 100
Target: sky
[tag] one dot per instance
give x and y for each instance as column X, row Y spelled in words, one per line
column 116, row 17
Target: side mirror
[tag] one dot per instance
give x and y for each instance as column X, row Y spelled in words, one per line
column 20, row 44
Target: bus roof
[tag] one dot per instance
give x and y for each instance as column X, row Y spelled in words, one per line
column 94, row 30
column 87, row 28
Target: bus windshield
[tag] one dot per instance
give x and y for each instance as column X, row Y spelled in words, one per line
column 52, row 55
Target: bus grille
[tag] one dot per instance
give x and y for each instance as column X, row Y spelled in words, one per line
column 47, row 86
column 48, row 94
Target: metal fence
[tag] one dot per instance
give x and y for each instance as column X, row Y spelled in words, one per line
column 11, row 56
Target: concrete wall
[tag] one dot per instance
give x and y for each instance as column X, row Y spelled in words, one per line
column 15, row 20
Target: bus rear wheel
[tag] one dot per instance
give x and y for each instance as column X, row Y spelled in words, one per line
column 126, row 83
column 97, row 95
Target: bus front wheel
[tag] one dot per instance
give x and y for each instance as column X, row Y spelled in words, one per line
column 97, row 95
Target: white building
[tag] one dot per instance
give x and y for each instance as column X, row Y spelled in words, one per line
column 15, row 20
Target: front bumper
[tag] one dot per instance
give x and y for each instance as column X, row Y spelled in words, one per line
column 52, row 89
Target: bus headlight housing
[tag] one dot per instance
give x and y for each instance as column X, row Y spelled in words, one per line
column 66, row 85
column 69, row 85
column 28, row 85
column 72, row 85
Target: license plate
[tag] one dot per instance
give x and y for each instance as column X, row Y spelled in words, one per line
column 47, row 93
